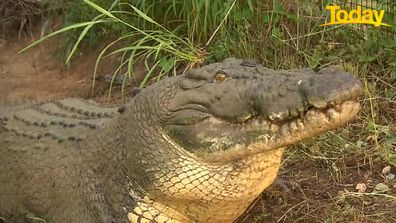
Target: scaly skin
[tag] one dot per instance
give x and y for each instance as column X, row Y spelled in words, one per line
column 194, row 148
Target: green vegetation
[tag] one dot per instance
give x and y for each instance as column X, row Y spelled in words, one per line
column 173, row 36
column 281, row 34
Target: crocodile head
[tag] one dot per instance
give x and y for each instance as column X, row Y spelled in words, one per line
column 218, row 133
column 233, row 110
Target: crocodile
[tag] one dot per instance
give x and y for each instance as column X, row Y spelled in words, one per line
column 198, row 147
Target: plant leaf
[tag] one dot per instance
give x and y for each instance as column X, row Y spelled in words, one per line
column 67, row 28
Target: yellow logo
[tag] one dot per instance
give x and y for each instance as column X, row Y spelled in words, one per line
column 356, row 16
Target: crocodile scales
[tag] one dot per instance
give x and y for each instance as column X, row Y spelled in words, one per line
column 199, row 147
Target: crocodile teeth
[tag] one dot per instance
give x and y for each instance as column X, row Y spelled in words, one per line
column 294, row 113
column 274, row 128
column 300, row 125
column 284, row 130
column 337, row 108
column 332, row 114
column 301, row 112
column 310, row 116
column 293, row 128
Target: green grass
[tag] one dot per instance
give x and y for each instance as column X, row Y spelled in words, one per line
column 283, row 34
column 160, row 49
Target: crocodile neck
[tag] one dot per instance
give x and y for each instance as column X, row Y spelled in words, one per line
column 216, row 192
column 178, row 180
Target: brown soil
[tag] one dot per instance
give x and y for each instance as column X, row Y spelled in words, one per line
column 37, row 74
column 307, row 190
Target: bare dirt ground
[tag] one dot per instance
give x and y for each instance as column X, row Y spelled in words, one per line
column 37, row 74
column 310, row 188
column 308, row 191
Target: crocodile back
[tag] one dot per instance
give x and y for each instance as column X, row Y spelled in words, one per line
column 64, row 120
column 38, row 141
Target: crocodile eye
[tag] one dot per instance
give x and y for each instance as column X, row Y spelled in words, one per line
column 220, row 76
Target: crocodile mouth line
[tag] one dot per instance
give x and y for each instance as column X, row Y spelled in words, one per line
column 284, row 133
column 317, row 119
column 334, row 112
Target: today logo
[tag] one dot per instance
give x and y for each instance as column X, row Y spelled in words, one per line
column 356, row 16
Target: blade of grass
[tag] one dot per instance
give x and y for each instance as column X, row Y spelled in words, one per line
column 77, row 43
column 100, row 9
column 101, row 55
column 221, row 23
column 67, row 28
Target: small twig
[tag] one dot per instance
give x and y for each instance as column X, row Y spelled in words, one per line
column 384, row 82
column 312, row 34
column 318, row 157
column 290, row 209
column 356, row 194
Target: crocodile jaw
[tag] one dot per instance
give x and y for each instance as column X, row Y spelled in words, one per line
column 218, row 141
column 314, row 122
